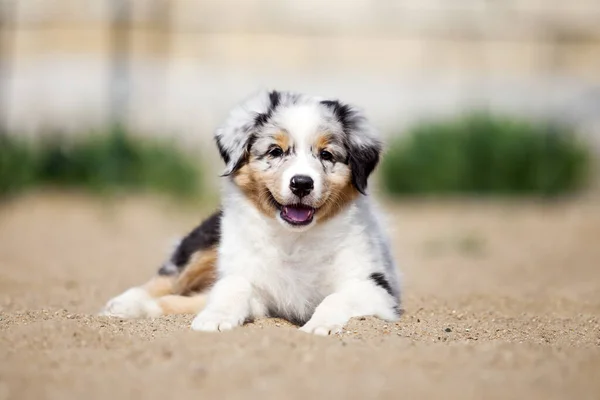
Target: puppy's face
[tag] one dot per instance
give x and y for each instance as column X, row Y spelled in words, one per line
column 300, row 163
column 296, row 168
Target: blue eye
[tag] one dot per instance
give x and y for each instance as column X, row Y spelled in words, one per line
column 325, row 155
column 276, row 152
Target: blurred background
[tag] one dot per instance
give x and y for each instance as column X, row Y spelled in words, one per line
column 484, row 75
column 170, row 70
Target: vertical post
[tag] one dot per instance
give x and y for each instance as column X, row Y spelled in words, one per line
column 120, row 61
column 7, row 33
column 162, row 42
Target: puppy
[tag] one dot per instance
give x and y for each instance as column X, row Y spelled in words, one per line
column 297, row 236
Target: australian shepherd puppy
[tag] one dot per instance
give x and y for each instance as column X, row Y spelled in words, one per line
column 297, row 237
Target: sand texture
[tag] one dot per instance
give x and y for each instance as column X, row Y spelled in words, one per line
column 501, row 300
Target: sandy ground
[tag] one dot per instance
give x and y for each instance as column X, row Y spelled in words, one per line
column 502, row 300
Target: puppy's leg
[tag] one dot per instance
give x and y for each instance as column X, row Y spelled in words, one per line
column 360, row 298
column 137, row 303
column 140, row 301
column 175, row 304
column 196, row 276
column 190, row 270
column 228, row 305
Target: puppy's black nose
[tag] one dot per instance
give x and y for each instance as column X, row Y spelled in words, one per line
column 301, row 185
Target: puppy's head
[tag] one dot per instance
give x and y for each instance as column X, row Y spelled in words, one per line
column 299, row 159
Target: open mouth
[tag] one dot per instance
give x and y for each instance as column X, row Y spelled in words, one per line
column 294, row 214
column 297, row 214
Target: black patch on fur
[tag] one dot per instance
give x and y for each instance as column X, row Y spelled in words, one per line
column 204, row 236
column 222, row 151
column 166, row 271
column 342, row 112
column 244, row 158
column 251, row 140
column 381, row 281
column 362, row 162
column 262, row 118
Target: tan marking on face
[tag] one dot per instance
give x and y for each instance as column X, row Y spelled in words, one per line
column 255, row 185
column 199, row 273
column 175, row 304
column 340, row 193
column 321, row 142
column 282, row 139
column 338, row 190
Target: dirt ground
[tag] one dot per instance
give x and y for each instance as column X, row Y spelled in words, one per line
column 501, row 299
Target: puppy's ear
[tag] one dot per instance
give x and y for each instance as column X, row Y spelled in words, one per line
column 234, row 145
column 235, row 137
column 363, row 146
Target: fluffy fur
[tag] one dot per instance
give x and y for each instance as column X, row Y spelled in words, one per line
column 297, row 238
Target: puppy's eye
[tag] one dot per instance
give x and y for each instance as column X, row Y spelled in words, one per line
column 276, row 152
column 325, row 155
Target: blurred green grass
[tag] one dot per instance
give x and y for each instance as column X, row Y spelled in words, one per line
column 109, row 162
column 484, row 154
column 477, row 153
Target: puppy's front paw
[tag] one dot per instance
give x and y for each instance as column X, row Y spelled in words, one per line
column 322, row 328
column 133, row 303
column 327, row 319
column 210, row 321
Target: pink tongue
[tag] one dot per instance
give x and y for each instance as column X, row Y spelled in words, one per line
column 298, row 214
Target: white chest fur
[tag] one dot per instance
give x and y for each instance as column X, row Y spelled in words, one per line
column 292, row 272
